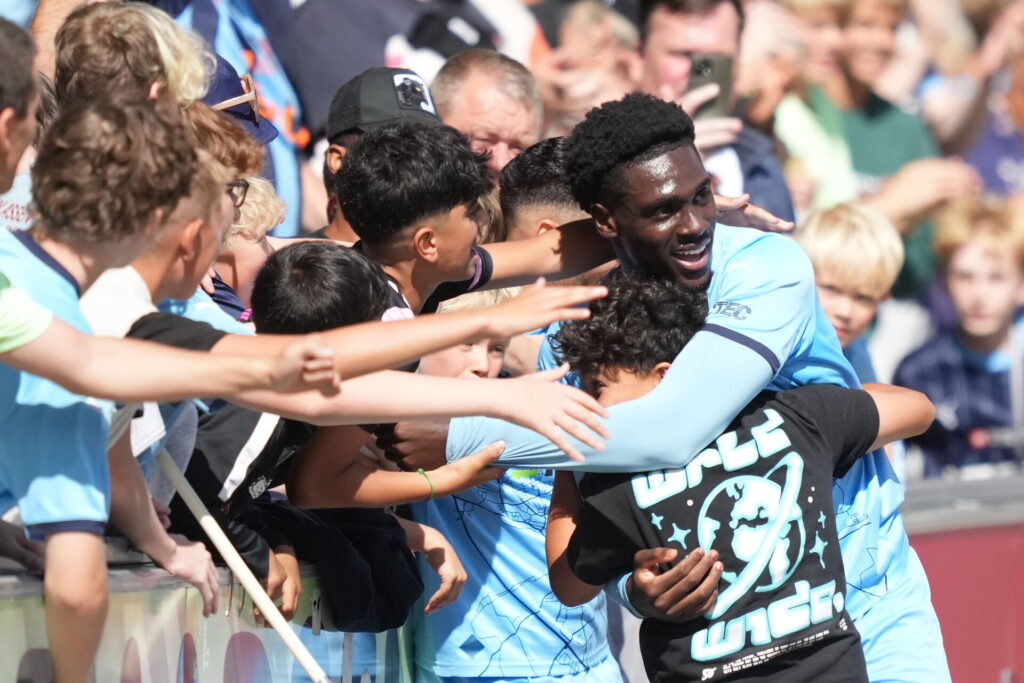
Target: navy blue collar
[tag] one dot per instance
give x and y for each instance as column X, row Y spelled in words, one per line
column 44, row 256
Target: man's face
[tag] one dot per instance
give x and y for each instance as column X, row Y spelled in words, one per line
column 986, row 286
column 849, row 307
column 664, row 220
column 870, row 39
column 18, row 135
column 456, row 233
column 673, row 37
column 481, row 359
column 492, row 121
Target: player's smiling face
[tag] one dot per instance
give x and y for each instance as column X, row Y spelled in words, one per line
column 663, row 221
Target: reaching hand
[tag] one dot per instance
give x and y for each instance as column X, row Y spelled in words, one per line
column 740, row 212
column 538, row 306
column 191, row 562
column 554, row 410
column 922, row 186
column 163, row 513
column 441, row 557
column 304, row 365
column 465, row 473
column 14, row 545
column 679, row 594
column 415, row 444
column 284, row 582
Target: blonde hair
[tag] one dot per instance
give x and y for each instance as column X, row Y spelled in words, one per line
column 188, row 65
column 855, row 244
column 205, row 190
column 988, row 220
column 261, row 212
column 495, row 229
column 112, row 47
column 474, row 300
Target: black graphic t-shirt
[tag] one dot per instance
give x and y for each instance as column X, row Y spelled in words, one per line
column 761, row 495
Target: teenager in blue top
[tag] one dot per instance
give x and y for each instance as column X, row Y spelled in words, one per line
column 634, row 168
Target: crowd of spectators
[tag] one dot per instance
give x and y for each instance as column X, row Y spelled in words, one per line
column 262, row 182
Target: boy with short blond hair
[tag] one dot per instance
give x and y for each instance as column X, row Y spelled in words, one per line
column 857, row 255
column 970, row 372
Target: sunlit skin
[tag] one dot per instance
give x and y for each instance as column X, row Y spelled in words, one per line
column 850, row 308
column 987, row 286
column 870, row 37
column 493, row 122
column 673, row 37
column 18, row 133
column 456, row 234
column 664, row 221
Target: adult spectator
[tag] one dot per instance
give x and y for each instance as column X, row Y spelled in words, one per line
column 492, row 99
column 740, row 159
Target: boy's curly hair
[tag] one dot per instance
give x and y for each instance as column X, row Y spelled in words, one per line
column 642, row 322
column 617, row 135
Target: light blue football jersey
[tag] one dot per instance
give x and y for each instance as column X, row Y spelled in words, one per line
column 762, row 297
column 53, row 455
column 506, row 623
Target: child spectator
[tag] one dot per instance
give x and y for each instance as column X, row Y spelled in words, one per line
column 508, row 625
column 759, row 496
column 968, row 372
column 856, row 254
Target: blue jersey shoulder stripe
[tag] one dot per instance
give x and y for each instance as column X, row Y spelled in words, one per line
column 752, row 344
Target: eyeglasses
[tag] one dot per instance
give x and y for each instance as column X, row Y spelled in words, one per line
column 249, row 96
column 237, row 190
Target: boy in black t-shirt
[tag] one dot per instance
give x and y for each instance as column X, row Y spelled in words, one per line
column 760, row 495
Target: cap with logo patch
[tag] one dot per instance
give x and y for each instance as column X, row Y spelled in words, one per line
column 379, row 97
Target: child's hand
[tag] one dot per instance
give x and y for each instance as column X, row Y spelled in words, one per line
column 538, row 306
column 284, row 582
column 740, row 212
column 442, row 558
column 191, row 562
column 465, row 473
column 15, row 545
column 305, row 365
column 535, row 402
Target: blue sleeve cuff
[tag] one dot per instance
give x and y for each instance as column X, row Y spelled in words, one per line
column 39, row 532
column 620, row 595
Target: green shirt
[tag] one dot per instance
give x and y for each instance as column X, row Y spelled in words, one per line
column 21, row 319
column 882, row 138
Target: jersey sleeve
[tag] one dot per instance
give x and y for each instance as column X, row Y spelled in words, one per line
column 21, row 319
column 846, row 418
column 767, row 299
column 598, row 550
column 710, row 381
column 175, row 330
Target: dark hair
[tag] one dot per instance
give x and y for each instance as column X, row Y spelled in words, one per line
column 17, row 76
column 535, row 177
column 618, row 135
column 642, row 322
column 103, row 169
column 317, row 285
column 397, row 175
column 647, row 7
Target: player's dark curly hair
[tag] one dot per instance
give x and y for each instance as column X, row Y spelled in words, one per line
column 617, row 135
column 397, row 175
column 642, row 322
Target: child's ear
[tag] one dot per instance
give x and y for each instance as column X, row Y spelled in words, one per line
column 661, row 368
column 335, row 157
column 545, row 225
column 189, row 242
column 606, row 226
column 424, row 242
